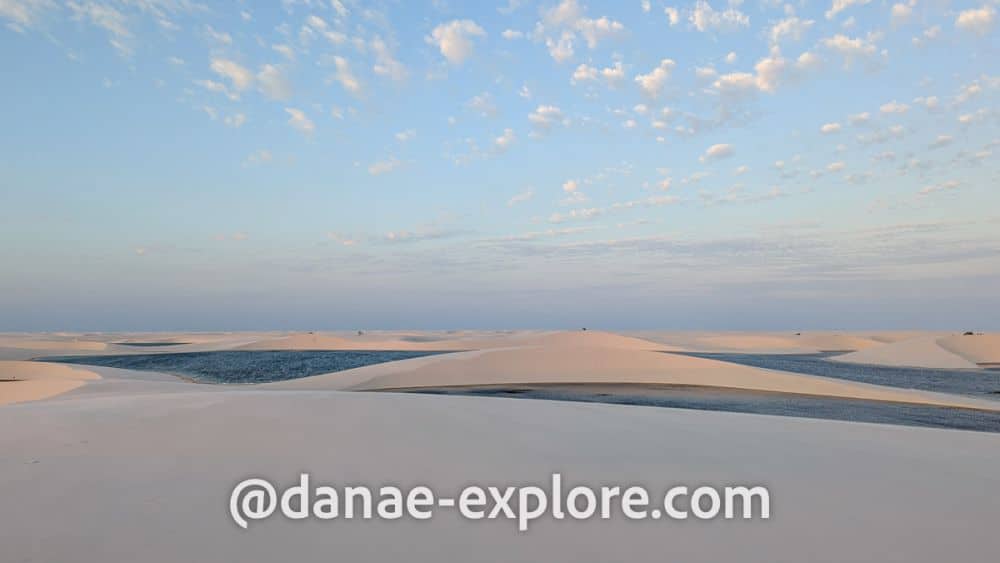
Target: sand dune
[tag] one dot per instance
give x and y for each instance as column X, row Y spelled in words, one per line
column 825, row 342
column 762, row 343
column 33, row 343
column 922, row 351
column 598, row 358
column 31, row 381
column 979, row 348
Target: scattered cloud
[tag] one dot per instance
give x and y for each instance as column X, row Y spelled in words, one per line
column 979, row 21
column 717, row 152
column 384, row 166
column 653, row 82
column 299, row 121
column 456, row 39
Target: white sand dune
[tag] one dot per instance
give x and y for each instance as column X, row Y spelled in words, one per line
column 922, row 351
column 31, row 381
column 145, row 476
column 472, row 341
column 593, row 357
column 34, row 343
column 761, row 343
column 979, row 348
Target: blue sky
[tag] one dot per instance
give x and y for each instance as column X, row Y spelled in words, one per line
column 172, row 164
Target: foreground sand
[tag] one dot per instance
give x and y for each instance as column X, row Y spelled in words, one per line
column 143, row 473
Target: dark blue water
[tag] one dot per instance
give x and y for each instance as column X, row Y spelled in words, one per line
column 981, row 383
column 744, row 401
column 244, row 366
column 150, row 344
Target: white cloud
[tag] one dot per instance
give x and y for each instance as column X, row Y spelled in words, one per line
column 851, row 48
column 239, row 76
column 705, row 73
column 584, row 214
column 385, row 62
column 940, row 187
column 928, row 35
column 894, row 107
column 673, row 16
column 235, row 120
column 835, row 167
column 736, row 84
column 705, row 18
column 979, row 21
column 482, row 104
column 106, row 17
column 653, row 82
column 505, row 140
column 841, row 5
column 716, row 152
column 570, row 186
column 285, row 51
column 859, row 118
column 942, row 141
column 220, row 37
column 384, row 166
column 299, row 121
column 741, row 170
column 565, row 13
column 594, row 30
column 520, row 198
column 345, row 76
column 830, row 128
column 455, row 39
column 407, row 135
column 273, row 83
column 902, row 12
column 546, row 117
column 583, row 73
column 731, row 57
column 511, row 34
column 586, row 73
column 791, row 28
column 258, row 157
column 24, row 13
column 561, row 50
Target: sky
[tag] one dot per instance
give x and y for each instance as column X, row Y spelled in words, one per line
column 338, row 164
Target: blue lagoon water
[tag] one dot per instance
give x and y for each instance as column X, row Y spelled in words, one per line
column 244, row 366
column 981, row 383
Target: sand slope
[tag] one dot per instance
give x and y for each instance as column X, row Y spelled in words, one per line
column 597, row 358
column 31, row 381
column 922, row 351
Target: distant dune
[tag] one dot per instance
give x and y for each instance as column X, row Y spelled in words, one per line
column 34, row 343
column 978, row 348
column 762, row 343
column 949, row 352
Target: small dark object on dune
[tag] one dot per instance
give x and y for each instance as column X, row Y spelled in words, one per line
column 968, row 333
